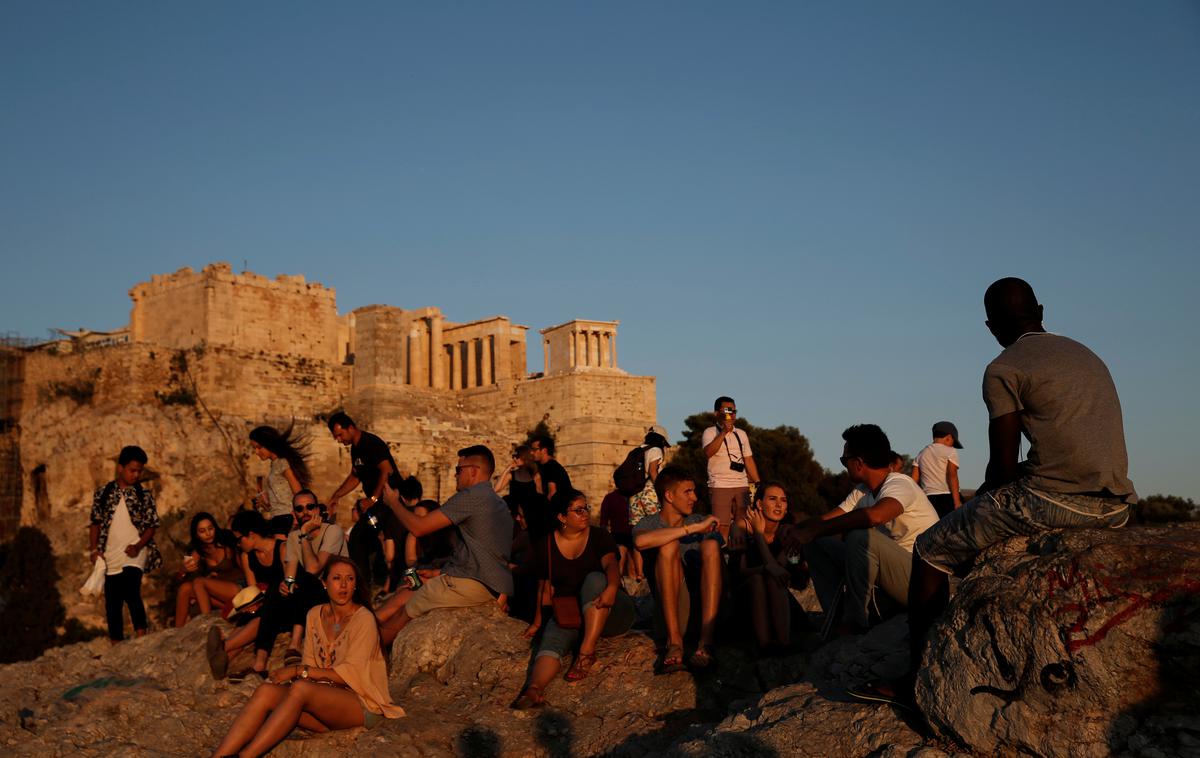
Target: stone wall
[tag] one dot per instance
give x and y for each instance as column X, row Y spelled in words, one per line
column 247, row 311
column 213, row 354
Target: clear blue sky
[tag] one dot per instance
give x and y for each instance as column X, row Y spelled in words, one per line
column 798, row 204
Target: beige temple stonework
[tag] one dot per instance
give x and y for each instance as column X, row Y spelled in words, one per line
column 208, row 355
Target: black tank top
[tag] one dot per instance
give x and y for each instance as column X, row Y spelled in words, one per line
column 270, row 575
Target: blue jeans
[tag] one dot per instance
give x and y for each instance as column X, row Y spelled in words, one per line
column 558, row 642
column 1012, row 510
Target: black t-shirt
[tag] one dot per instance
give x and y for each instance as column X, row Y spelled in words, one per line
column 553, row 471
column 569, row 574
column 366, row 457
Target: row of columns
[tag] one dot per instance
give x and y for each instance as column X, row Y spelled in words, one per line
column 594, row 348
column 480, row 362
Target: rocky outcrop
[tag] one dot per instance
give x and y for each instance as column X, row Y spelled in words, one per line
column 455, row 673
column 1081, row 643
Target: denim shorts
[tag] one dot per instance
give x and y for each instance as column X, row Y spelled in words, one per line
column 1013, row 510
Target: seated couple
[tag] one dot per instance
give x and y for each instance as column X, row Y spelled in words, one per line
column 288, row 571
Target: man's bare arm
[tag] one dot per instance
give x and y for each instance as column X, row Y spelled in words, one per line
column 1004, row 441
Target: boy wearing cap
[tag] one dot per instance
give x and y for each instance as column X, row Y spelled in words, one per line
column 936, row 468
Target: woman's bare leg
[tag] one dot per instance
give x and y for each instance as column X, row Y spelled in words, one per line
column 264, row 700
column 242, row 637
column 183, row 603
column 330, row 707
column 210, row 590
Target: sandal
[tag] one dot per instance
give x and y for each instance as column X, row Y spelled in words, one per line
column 292, row 657
column 672, row 660
column 240, row 676
column 218, row 659
column 531, row 698
column 581, row 668
column 701, row 659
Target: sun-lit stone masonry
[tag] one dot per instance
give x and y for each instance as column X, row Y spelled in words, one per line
column 208, row 355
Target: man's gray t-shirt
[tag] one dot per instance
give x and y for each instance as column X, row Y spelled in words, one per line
column 1069, row 410
column 686, row 544
column 485, row 529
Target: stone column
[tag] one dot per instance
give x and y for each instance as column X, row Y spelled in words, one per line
column 412, row 373
column 472, row 363
column 613, row 349
column 488, row 352
column 605, row 349
column 582, row 350
column 455, row 365
column 545, row 357
column 572, row 344
column 437, row 377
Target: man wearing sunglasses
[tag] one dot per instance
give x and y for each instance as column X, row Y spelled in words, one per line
column 866, row 543
column 477, row 573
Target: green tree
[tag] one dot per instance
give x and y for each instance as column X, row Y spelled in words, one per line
column 781, row 453
column 1161, row 509
column 31, row 609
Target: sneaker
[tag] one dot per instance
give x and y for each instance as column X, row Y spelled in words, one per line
column 238, row 677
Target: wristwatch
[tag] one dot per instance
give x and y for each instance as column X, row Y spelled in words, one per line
column 304, row 673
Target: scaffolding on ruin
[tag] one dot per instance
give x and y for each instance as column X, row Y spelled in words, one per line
column 12, row 381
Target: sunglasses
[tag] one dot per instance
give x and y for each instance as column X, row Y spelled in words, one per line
column 459, row 469
column 845, row 459
column 580, row 509
column 303, row 508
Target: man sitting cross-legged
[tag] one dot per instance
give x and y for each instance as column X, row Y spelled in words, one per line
column 878, row 530
column 685, row 551
column 478, row 571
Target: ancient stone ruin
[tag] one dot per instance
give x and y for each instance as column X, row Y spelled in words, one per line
column 208, row 355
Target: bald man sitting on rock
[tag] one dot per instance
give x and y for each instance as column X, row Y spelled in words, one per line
column 1060, row 395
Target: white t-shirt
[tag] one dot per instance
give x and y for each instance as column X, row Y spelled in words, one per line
column 931, row 463
column 121, row 534
column 719, row 473
column 918, row 514
column 855, row 495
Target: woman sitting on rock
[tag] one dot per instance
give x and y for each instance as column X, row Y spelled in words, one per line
column 213, row 573
column 342, row 682
column 765, row 570
column 579, row 564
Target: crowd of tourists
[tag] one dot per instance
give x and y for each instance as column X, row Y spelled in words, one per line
column 523, row 539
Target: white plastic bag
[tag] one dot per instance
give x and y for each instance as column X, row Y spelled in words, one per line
column 95, row 583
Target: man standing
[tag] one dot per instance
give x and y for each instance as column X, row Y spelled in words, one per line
column 878, row 529
column 554, row 476
column 123, row 521
column 371, row 462
column 731, row 468
column 685, row 550
column 1060, row 395
column 936, row 468
column 478, row 571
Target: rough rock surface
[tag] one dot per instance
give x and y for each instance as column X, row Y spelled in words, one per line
column 1081, row 643
column 455, row 672
column 1115, row 611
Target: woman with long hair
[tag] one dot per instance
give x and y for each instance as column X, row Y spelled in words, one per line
column 342, row 682
column 212, row 573
column 765, row 570
column 288, row 474
column 577, row 563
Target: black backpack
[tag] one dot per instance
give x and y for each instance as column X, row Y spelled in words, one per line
column 630, row 476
